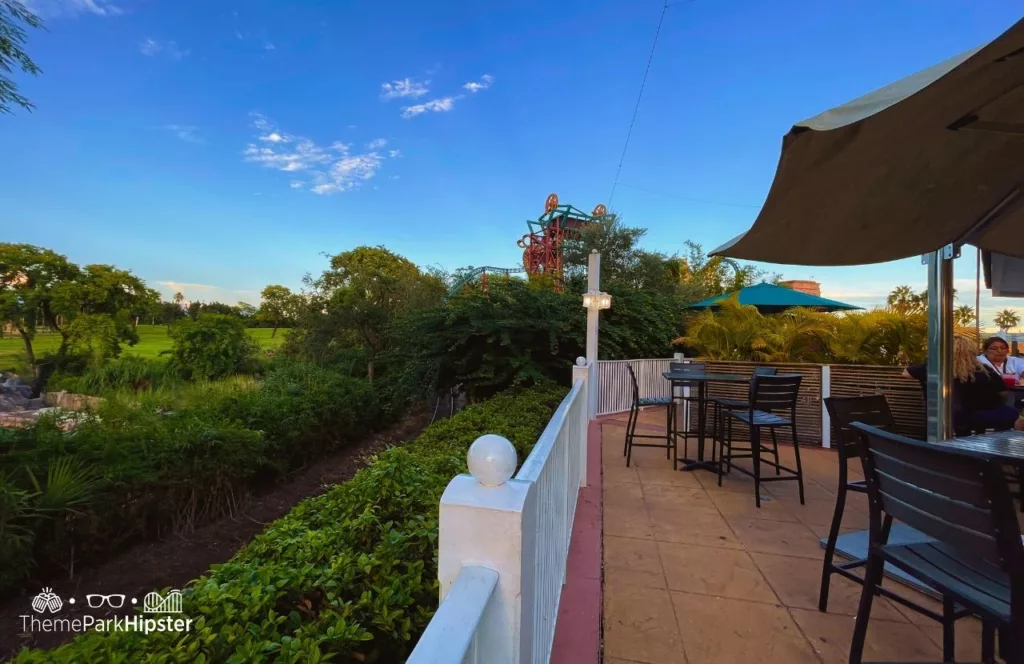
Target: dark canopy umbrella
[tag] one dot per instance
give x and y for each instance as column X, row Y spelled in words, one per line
column 933, row 159
column 771, row 299
column 922, row 166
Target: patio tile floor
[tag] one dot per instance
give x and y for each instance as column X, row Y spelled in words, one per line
column 695, row 574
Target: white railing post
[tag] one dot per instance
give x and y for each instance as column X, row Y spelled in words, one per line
column 583, row 371
column 826, row 392
column 685, row 393
column 488, row 519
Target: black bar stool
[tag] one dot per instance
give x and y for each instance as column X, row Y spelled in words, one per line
column 634, row 415
column 723, row 403
column 768, row 394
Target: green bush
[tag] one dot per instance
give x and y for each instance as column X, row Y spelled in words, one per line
column 211, row 347
column 131, row 374
column 349, row 575
column 172, row 460
column 517, row 334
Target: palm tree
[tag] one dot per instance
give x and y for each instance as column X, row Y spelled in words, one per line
column 963, row 315
column 901, row 299
column 1006, row 319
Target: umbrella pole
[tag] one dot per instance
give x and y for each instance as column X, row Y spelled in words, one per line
column 940, row 344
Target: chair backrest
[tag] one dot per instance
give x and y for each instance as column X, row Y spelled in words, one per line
column 778, row 392
column 765, row 371
column 632, row 379
column 872, row 410
column 688, row 367
column 960, row 499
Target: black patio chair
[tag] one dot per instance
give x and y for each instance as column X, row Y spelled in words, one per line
column 692, row 399
column 634, row 414
column 768, row 395
column 975, row 558
column 843, row 412
column 722, row 403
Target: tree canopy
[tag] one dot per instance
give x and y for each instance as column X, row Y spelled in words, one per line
column 14, row 16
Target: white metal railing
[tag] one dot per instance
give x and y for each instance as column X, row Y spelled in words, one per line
column 453, row 628
column 615, row 390
column 516, row 529
column 556, row 466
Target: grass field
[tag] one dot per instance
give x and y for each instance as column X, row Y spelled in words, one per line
column 152, row 340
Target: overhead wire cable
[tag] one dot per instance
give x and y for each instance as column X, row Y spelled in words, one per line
column 636, row 108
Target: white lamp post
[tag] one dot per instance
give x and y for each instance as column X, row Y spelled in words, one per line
column 594, row 301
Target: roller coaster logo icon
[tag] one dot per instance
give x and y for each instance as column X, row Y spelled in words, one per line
column 153, row 602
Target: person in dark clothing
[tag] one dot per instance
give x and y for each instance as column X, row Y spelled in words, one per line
column 979, row 394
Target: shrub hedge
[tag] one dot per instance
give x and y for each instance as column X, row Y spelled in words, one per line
column 347, row 576
column 155, row 471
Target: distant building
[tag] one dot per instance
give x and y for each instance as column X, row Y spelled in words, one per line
column 804, row 286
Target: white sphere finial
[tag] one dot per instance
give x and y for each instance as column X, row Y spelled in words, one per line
column 581, row 361
column 491, row 459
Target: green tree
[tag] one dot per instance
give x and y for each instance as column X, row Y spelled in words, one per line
column 905, row 300
column 99, row 289
column 963, row 315
column 12, row 52
column 278, row 306
column 29, row 278
column 520, row 334
column 357, row 300
column 1006, row 319
column 95, row 337
column 245, row 310
column 210, row 347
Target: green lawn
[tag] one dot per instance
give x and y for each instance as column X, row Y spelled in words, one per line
column 152, row 340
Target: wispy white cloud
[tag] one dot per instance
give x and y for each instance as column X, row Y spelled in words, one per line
column 151, row 47
column 403, row 88
column 69, row 8
column 187, row 133
column 323, row 169
column 376, row 144
column 476, row 86
column 442, row 105
column 394, row 153
column 267, row 46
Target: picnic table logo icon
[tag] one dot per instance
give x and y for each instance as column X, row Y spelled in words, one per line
column 47, row 601
column 153, row 602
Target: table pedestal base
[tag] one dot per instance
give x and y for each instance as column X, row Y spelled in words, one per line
column 854, row 546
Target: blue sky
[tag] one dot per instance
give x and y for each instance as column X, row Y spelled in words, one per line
column 217, row 147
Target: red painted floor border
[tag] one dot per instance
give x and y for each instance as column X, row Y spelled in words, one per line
column 578, row 629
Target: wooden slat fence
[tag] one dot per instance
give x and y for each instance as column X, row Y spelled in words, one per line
column 903, row 394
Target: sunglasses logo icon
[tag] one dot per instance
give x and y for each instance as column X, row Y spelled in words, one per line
column 97, row 601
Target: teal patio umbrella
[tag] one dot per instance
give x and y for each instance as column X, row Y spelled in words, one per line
column 772, row 299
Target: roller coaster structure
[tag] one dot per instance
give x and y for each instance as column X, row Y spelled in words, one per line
column 542, row 245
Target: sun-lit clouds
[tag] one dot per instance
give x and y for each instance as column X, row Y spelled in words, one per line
column 376, row 144
column 323, row 169
column 69, row 8
column 394, row 154
column 404, row 88
column 205, row 292
column 152, row 48
column 187, row 133
column 476, row 86
column 442, row 105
